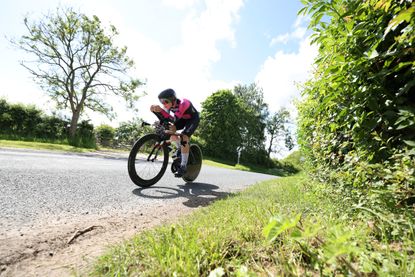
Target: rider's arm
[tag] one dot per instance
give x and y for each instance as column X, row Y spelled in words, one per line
column 166, row 115
column 184, row 105
column 160, row 112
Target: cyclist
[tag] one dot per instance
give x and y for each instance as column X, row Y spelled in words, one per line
column 185, row 117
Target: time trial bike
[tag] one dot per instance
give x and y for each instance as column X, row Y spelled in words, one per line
column 149, row 156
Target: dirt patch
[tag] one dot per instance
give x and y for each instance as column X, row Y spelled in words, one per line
column 70, row 247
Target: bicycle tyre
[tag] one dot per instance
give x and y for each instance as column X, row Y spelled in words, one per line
column 134, row 176
column 194, row 164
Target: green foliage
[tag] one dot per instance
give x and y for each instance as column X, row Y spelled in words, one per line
column 278, row 225
column 253, row 124
column 22, row 121
column 209, row 239
column 84, row 136
column 128, row 132
column 77, row 62
column 340, row 241
column 220, row 124
column 26, row 122
column 308, row 234
column 277, row 129
column 196, row 139
column 236, row 120
column 42, row 145
column 105, row 134
column 296, row 159
column 356, row 122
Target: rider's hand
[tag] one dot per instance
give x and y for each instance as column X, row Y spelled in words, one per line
column 155, row 108
column 172, row 128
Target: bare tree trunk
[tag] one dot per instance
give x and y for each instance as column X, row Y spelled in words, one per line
column 270, row 146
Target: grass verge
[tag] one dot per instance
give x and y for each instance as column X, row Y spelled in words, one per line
column 279, row 227
column 283, row 169
column 42, row 146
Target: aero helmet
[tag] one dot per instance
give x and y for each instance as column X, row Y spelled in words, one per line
column 167, row 94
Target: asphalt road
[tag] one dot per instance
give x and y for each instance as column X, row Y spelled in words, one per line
column 39, row 185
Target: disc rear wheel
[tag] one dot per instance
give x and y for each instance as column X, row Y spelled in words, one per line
column 194, row 164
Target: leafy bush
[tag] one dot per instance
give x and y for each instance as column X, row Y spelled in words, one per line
column 85, row 136
column 26, row 122
column 19, row 121
column 199, row 141
column 128, row 132
column 357, row 117
column 51, row 127
column 105, row 134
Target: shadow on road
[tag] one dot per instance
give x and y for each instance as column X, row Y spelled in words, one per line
column 197, row 194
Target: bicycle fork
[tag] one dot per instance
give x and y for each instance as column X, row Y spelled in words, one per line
column 157, row 147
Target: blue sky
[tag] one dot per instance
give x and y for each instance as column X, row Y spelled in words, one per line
column 193, row 46
column 259, row 21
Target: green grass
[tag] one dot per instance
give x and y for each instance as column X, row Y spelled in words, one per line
column 306, row 234
column 284, row 169
column 42, row 146
column 295, row 159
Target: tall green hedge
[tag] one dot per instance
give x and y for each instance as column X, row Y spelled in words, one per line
column 18, row 121
column 357, row 117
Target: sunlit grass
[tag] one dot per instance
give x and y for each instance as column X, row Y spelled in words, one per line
column 227, row 235
column 251, row 168
column 217, row 164
column 42, row 146
column 227, row 238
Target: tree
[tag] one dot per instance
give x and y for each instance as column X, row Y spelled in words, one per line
column 254, row 120
column 77, row 63
column 221, row 124
column 277, row 129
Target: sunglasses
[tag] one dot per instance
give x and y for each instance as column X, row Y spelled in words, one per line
column 165, row 101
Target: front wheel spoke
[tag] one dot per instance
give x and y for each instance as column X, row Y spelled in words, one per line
column 147, row 163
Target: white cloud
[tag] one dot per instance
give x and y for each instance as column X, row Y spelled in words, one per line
column 298, row 32
column 280, row 72
column 280, row 39
column 186, row 67
column 179, row 4
column 301, row 20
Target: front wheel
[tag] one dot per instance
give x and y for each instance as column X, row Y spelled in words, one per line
column 148, row 160
column 194, row 164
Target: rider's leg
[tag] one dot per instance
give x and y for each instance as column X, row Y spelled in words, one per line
column 176, row 141
column 185, row 150
column 189, row 128
column 184, row 156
